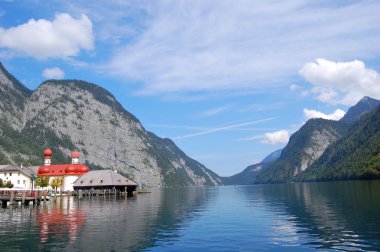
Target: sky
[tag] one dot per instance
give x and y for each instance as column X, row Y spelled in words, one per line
column 228, row 81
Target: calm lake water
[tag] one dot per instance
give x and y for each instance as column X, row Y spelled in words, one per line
column 342, row 216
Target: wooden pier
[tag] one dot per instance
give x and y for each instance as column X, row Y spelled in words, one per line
column 24, row 200
column 14, row 199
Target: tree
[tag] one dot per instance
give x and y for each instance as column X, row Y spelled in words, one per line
column 55, row 183
column 42, row 181
column 8, row 184
column 1, row 183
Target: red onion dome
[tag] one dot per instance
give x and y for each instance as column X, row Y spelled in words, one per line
column 43, row 170
column 71, row 169
column 83, row 169
column 74, row 154
column 48, row 152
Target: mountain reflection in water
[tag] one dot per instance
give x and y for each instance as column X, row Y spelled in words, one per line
column 340, row 216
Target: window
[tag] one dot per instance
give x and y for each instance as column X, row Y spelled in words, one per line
column 5, row 174
column 18, row 173
column 81, row 182
column 90, row 181
column 10, row 174
column 24, row 182
column 18, row 182
column 101, row 181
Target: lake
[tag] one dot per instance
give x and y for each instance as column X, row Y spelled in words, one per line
column 335, row 216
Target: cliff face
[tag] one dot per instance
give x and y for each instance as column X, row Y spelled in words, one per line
column 304, row 147
column 76, row 114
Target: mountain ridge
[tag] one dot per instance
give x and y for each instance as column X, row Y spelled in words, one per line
column 312, row 148
column 68, row 114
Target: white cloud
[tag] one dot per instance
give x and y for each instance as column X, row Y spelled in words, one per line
column 53, row 73
column 277, row 137
column 310, row 113
column 63, row 37
column 341, row 82
column 196, row 46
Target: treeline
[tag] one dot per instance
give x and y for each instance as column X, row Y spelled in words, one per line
column 26, row 147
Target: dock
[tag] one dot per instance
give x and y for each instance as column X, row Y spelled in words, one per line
column 14, row 199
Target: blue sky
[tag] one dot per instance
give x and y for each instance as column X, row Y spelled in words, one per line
column 228, row 81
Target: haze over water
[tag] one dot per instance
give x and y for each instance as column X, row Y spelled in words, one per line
column 341, row 216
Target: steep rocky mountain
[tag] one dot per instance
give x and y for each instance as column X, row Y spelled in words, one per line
column 365, row 105
column 248, row 175
column 304, row 147
column 356, row 155
column 72, row 114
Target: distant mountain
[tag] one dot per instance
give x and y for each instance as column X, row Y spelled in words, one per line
column 72, row 114
column 365, row 105
column 356, row 155
column 248, row 175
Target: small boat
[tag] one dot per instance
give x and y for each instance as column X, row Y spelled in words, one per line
column 143, row 190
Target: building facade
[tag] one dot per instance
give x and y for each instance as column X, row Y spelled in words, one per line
column 19, row 176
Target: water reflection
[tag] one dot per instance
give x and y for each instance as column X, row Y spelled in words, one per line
column 101, row 223
column 294, row 217
column 59, row 221
column 339, row 216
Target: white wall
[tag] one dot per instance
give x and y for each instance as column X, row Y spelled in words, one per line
column 17, row 178
column 68, row 183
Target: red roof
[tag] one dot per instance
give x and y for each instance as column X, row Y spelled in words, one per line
column 62, row 169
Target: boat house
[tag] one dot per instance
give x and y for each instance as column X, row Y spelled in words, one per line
column 105, row 179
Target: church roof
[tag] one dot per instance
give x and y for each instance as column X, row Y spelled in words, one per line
column 103, row 178
column 62, row 169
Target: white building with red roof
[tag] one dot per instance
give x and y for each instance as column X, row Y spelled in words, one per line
column 68, row 172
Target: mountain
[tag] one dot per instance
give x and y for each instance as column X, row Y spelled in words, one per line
column 356, row 155
column 73, row 114
column 13, row 97
column 304, row 156
column 272, row 157
column 304, row 147
column 365, row 105
column 248, row 175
